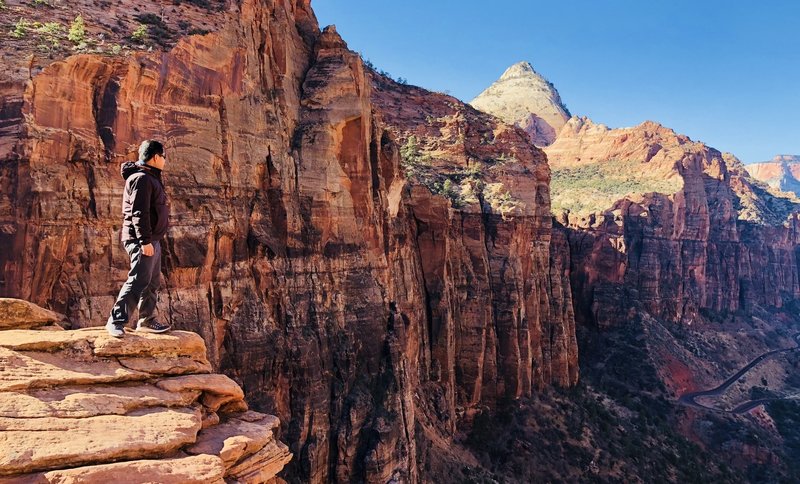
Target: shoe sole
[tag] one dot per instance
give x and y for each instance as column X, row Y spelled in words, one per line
column 149, row 330
column 120, row 335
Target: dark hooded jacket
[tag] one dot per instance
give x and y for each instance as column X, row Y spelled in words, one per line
column 145, row 214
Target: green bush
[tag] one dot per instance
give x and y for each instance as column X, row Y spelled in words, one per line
column 51, row 33
column 20, row 29
column 140, row 34
column 77, row 31
column 157, row 30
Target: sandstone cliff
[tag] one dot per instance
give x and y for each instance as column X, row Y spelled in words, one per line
column 524, row 98
column 669, row 224
column 81, row 406
column 373, row 296
column 783, row 173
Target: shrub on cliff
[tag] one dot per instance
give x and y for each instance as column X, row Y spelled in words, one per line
column 20, row 29
column 157, row 30
column 140, row 34
column 77, row 31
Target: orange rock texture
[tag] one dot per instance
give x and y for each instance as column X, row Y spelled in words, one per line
column 720, row 242
column 81, row 406
column 371, row 262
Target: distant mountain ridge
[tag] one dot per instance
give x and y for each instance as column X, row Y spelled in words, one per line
column 782, row 172
column 524, row 98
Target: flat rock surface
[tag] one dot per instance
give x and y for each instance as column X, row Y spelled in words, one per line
column 198, row 469
column 36, row 444
column 90, row 401
column 80, row 406
column 175, row 343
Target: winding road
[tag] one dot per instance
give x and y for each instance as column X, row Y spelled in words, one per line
column 689, row 399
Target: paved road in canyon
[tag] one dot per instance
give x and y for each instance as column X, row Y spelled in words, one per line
column 689, row 399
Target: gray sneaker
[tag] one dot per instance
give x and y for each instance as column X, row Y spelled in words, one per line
column 115, row 330
column 151, row 326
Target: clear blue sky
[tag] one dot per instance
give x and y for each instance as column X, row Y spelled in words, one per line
column 723, row 72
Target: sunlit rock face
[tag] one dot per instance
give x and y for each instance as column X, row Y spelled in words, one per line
column 83, row 406
column 524, row 98
column 672, row 226
column 371, row 307
column 782, row 172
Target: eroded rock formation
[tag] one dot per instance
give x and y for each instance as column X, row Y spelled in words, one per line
column 783, row 173
column 371, row 295
column 718, row 241
column 81, row 406
column 524, row 98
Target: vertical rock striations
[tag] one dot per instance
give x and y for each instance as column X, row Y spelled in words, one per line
column 372, row 263
column 717, row 241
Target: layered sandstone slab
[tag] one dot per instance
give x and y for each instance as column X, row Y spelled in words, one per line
column 16, row 313
column 200, row 469
column 70, row 405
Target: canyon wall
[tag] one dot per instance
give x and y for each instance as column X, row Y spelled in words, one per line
column 721, row 242
column 370, row 295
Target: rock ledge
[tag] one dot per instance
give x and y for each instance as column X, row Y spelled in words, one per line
column 80, row 406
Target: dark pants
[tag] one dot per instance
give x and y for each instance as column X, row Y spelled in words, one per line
column 141, row 288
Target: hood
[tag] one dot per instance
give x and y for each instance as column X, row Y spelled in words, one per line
column 129, row 168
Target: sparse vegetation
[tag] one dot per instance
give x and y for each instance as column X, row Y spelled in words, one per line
column 77, row 31
column 139, row 35
column 157, row 30
column 499, row 198
column 206, row 4
column 20, row 29
column 2, row 4
column 786, row 415
column 51, row 33
column 596, row 186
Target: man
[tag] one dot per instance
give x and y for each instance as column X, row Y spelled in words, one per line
column 145, row 222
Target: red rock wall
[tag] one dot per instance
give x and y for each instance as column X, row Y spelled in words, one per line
column 356, row 306
column 674, row 256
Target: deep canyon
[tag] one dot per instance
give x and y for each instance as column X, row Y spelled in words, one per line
column 384, row 268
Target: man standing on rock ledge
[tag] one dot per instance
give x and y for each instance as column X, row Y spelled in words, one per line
column 145, row 221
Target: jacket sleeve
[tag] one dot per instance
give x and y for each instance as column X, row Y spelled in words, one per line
column 141, row 195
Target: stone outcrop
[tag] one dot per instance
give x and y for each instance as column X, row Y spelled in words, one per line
column 783, row 173
column 719, row 241
column 524, row 98
column 368, row 294
column 81, row 406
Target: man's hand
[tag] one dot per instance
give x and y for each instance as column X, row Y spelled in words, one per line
column 148, row 250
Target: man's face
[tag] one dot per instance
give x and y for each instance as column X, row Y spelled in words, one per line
column 158, row 161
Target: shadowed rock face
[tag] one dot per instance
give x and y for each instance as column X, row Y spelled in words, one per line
column 366, row 306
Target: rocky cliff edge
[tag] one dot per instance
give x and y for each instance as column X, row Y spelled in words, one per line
column 81, row 406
